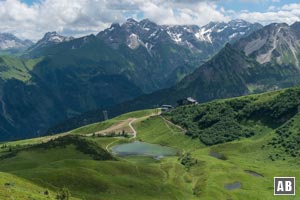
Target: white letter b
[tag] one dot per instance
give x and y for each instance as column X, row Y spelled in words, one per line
column 288, row 186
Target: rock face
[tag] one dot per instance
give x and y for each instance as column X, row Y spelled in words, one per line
column 276, row 43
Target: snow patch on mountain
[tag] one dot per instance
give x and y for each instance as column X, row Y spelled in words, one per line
column 176, row 37
column 133, row 41
column 233, row 35
column 204, row 35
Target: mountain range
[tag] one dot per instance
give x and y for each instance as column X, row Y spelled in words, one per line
column 265, row 60
column 138, row 65
column 61, row 77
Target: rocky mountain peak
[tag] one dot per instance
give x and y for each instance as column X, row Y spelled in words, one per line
column 50, row 38
column 147, row 34
column 131, row 21
column 55, row 37
column 296, row 24
column 115, row 25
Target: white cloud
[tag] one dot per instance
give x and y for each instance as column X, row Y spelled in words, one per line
column 81, row 17
column 179, row 13
column 288, row 13
column 76, row 17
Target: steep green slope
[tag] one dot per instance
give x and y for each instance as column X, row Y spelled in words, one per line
column 159, row 131
column 36, row 94
column 15, row 68
column 150, row 71
column 13, row 187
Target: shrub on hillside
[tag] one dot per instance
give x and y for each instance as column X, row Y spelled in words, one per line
column 187, row 160
column 63, row 194
column 287, row 139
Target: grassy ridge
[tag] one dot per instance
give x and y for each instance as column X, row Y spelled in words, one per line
column 157, row 130
column 92, row 128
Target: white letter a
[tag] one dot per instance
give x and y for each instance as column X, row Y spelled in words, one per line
column 280, row 187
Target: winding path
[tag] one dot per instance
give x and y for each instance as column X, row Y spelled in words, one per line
column 132, row 128
column 107, row 146
column 130, row 122
column 169, row 122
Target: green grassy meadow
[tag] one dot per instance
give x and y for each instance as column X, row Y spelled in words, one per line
column 13, row 67
column 31, row 170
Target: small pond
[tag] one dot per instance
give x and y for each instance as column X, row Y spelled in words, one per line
column 143, row 149
column 233, row 186
column 217, row 155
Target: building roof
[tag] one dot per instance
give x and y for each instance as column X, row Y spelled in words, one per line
column 190, row 99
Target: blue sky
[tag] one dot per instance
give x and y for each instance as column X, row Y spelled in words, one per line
column 253, row 5
column 32, row 18
column 29, row 2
